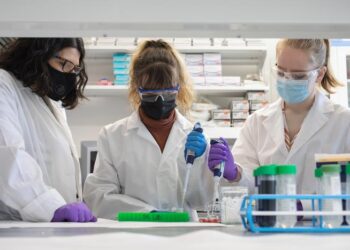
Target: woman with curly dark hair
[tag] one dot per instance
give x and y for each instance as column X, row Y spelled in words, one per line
column 40, row 174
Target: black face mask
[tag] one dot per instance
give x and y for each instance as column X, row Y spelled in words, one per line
column 62, row 83
column 159, row 109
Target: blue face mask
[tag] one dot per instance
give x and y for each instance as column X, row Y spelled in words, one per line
column 293, row 91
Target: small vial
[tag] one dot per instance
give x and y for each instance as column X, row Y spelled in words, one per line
column 286, row 185
column 330, row 184
column 347, row 173
column 267, row 185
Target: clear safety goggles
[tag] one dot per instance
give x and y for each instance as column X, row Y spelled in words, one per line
column 303, row 75
column 152, row 95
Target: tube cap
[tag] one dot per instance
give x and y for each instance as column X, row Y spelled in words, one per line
column 266, row 170
column 318, row 172
column 286, row 169
column 347, row 169
column 331, row 168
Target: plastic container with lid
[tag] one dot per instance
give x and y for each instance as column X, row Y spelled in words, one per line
column 347, row 173
column 266, row 177
column 330, row 185
column 231, row 200
column 286, row 185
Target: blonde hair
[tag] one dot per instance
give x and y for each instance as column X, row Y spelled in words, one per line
column 319, row 50
column 157, row 65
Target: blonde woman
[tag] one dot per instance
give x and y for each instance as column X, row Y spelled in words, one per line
column 302, row 123
column 141, row 163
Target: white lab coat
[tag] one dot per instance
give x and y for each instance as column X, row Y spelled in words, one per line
column 132, row 174
column 39, row 168
column 326, row 129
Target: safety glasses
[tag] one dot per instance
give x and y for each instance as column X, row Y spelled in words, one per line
column 68, row 66
column 152, row 95
column 303, row 75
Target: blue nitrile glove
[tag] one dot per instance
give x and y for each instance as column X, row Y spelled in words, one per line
column 74, row 212
column 220, row 152
column 197, row 143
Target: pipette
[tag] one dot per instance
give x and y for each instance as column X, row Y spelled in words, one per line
column 190, row 156
column 218, row 173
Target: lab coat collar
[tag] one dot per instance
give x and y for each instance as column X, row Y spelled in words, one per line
column 272, row 119
column 315, row 120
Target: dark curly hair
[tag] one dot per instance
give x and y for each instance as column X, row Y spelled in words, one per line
column 27, row 59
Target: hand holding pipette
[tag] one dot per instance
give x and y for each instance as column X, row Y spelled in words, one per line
column 195, row 147
column 221, row 152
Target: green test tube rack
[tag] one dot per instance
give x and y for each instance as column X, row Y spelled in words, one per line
column 153, row 216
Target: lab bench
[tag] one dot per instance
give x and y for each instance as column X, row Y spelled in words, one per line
column 107, row 234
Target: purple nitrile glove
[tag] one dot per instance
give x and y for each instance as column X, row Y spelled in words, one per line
column 220, row 152
column 74, row 212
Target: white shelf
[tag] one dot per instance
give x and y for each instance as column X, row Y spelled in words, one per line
column 96, row 90
column 225, row 132
column 254, row 53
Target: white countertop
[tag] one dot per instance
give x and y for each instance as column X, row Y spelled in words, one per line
column 127, row 235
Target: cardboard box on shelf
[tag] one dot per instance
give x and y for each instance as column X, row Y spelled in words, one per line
column 213, row 80
column 261, row 96
column 121, row 79
column 238, row 123
column 239, row 115
column 240, row 105
column 256, row 104
column 196, row 71
column 121, row 57
column 231, row 80
column 212, row 59
column 194, row 59
column 121, row 71
column 212, row 70
column 221, row 114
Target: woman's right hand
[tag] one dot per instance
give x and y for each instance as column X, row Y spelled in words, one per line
column 74, row 212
